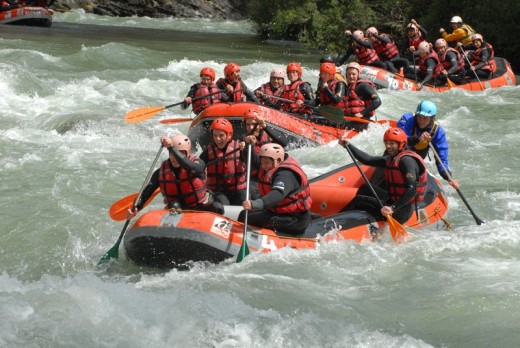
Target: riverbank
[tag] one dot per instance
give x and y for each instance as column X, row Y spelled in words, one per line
column 212, row 9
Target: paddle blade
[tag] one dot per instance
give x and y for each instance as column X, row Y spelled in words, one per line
column 398, row 232
column 142, row 114
column 331, row 112
column 175, row 120
column 113, row 253
column 118, row 210
column 450, row 83
column 244, row 250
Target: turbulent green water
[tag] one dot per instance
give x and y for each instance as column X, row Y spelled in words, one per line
column 67, row 155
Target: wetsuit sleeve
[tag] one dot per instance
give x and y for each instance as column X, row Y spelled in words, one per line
column 384, row 38
column 343, row 59
column 285, row 182
column 195, row 168
column 148, row 190
column 363, row 157
column 191, row 94
column 306, row 90
column 224, row 96
column 365, row 43
column 454, row 62
column 278, row 136
column 268, row 101
column 411, row 172
column 430, row 66
column 250, row 96
column 367, row 92
column 339, row 92
column 424, row 33
column 484, row 58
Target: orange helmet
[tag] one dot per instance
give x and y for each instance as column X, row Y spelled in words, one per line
column 181, row 142
column 230, row 69
column 223, row 125
column 353, row 65
column 250, row 114
column 274, row 151
column 294, row 67
column 329, row 68
column 397, row 135
column 424, row 47
column 209, row 72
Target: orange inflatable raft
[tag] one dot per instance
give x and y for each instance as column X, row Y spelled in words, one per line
column 169, row 239
column 27, row 15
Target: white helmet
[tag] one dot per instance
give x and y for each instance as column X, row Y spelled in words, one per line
column 277, row 72
column 358, row 34
column 353, row 65
column 424, row 47
column 181, row 142
column 441, row 43
column 371, row 30
column 274, row 151
column 456, row 19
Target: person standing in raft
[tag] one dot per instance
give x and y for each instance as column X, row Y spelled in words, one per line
column 225, row 170
column 421, row 128
column 405, row 179
column 236, row 89
column 258, row 133
column 181, row 178
column 299, row 91
column 361, row 99
column 285, row 200
column 206, row 86
column 275, row 87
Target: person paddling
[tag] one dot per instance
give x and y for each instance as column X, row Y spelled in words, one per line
column 236, row 89
column 275, row 87
column 206, row 87
column 299, row 91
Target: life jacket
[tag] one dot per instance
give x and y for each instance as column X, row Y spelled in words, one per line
column 438, row 66
column 267, row 89
column 364, row 55
column 293, row 92
column 202, row 90
column 237, row 96
column 296, row 202
column 228, row 174
column 262, row 139
column 396, row 182
column 415, row 41
column 467, row 40
column 422, row 145
column 325, row 98
column 446, row 63
column 352, row 103
column 186, row 188
column 385, row 50
column 490, row 64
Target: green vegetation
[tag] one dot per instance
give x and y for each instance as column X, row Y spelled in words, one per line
column 321, row 23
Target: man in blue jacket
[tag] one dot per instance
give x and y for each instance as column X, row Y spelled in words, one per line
column 421, row 129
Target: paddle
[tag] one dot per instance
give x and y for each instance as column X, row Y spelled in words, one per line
column 331, row 112
column 118, row 210
column 397, row 230
column 467, row 60
column 175, row 120
column 142, row 114
column 451, row 84
column 114, row 251
column 364, row 120
column 244, row 249
column 437, row 157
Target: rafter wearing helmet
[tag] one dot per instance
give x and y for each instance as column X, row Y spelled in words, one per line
column 275, row 87
column 236, row 89
column 206, row 87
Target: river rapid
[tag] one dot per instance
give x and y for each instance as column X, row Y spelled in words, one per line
column 67, row 155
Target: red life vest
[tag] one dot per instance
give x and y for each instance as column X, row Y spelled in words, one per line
column 228, row 174
column 262, row 139
column 364, row 55
column 268, row 90
column 202, row 90
column 325, row 98
column 490, row 64
column 438, row 66
column 237, row 96
column 395, row 179
column 353, row 103
column 298, row 201
column 384, row 50
column 293, row 92
column 415, row 41
column 187, row 189
column 446, row 63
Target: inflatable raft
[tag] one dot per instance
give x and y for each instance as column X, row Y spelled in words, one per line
column 504, row 76
column 27, row 15
column 173, row 239
column 318, row 130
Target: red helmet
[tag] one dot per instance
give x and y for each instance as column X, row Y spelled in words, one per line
column 250, row 114
column 223, row 125
column 329, row 68
column 181, row 142
column 294, row 67
column 209, row 72
column 230, row 69
column 274, row 151
column 397, row 135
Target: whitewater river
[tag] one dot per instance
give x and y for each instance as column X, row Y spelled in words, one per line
column 66, row 155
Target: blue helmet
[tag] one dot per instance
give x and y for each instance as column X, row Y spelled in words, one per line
column 426, row 108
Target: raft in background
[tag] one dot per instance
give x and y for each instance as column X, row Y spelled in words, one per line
column 299, row 132
column 28, row 15
column 504, row 76
column 168, row 239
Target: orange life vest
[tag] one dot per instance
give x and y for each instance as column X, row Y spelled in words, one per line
column 352, row 103
column 187, row 189
column 228, row 174
column 296, row 202
column 396, row 181
column 202, row 90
